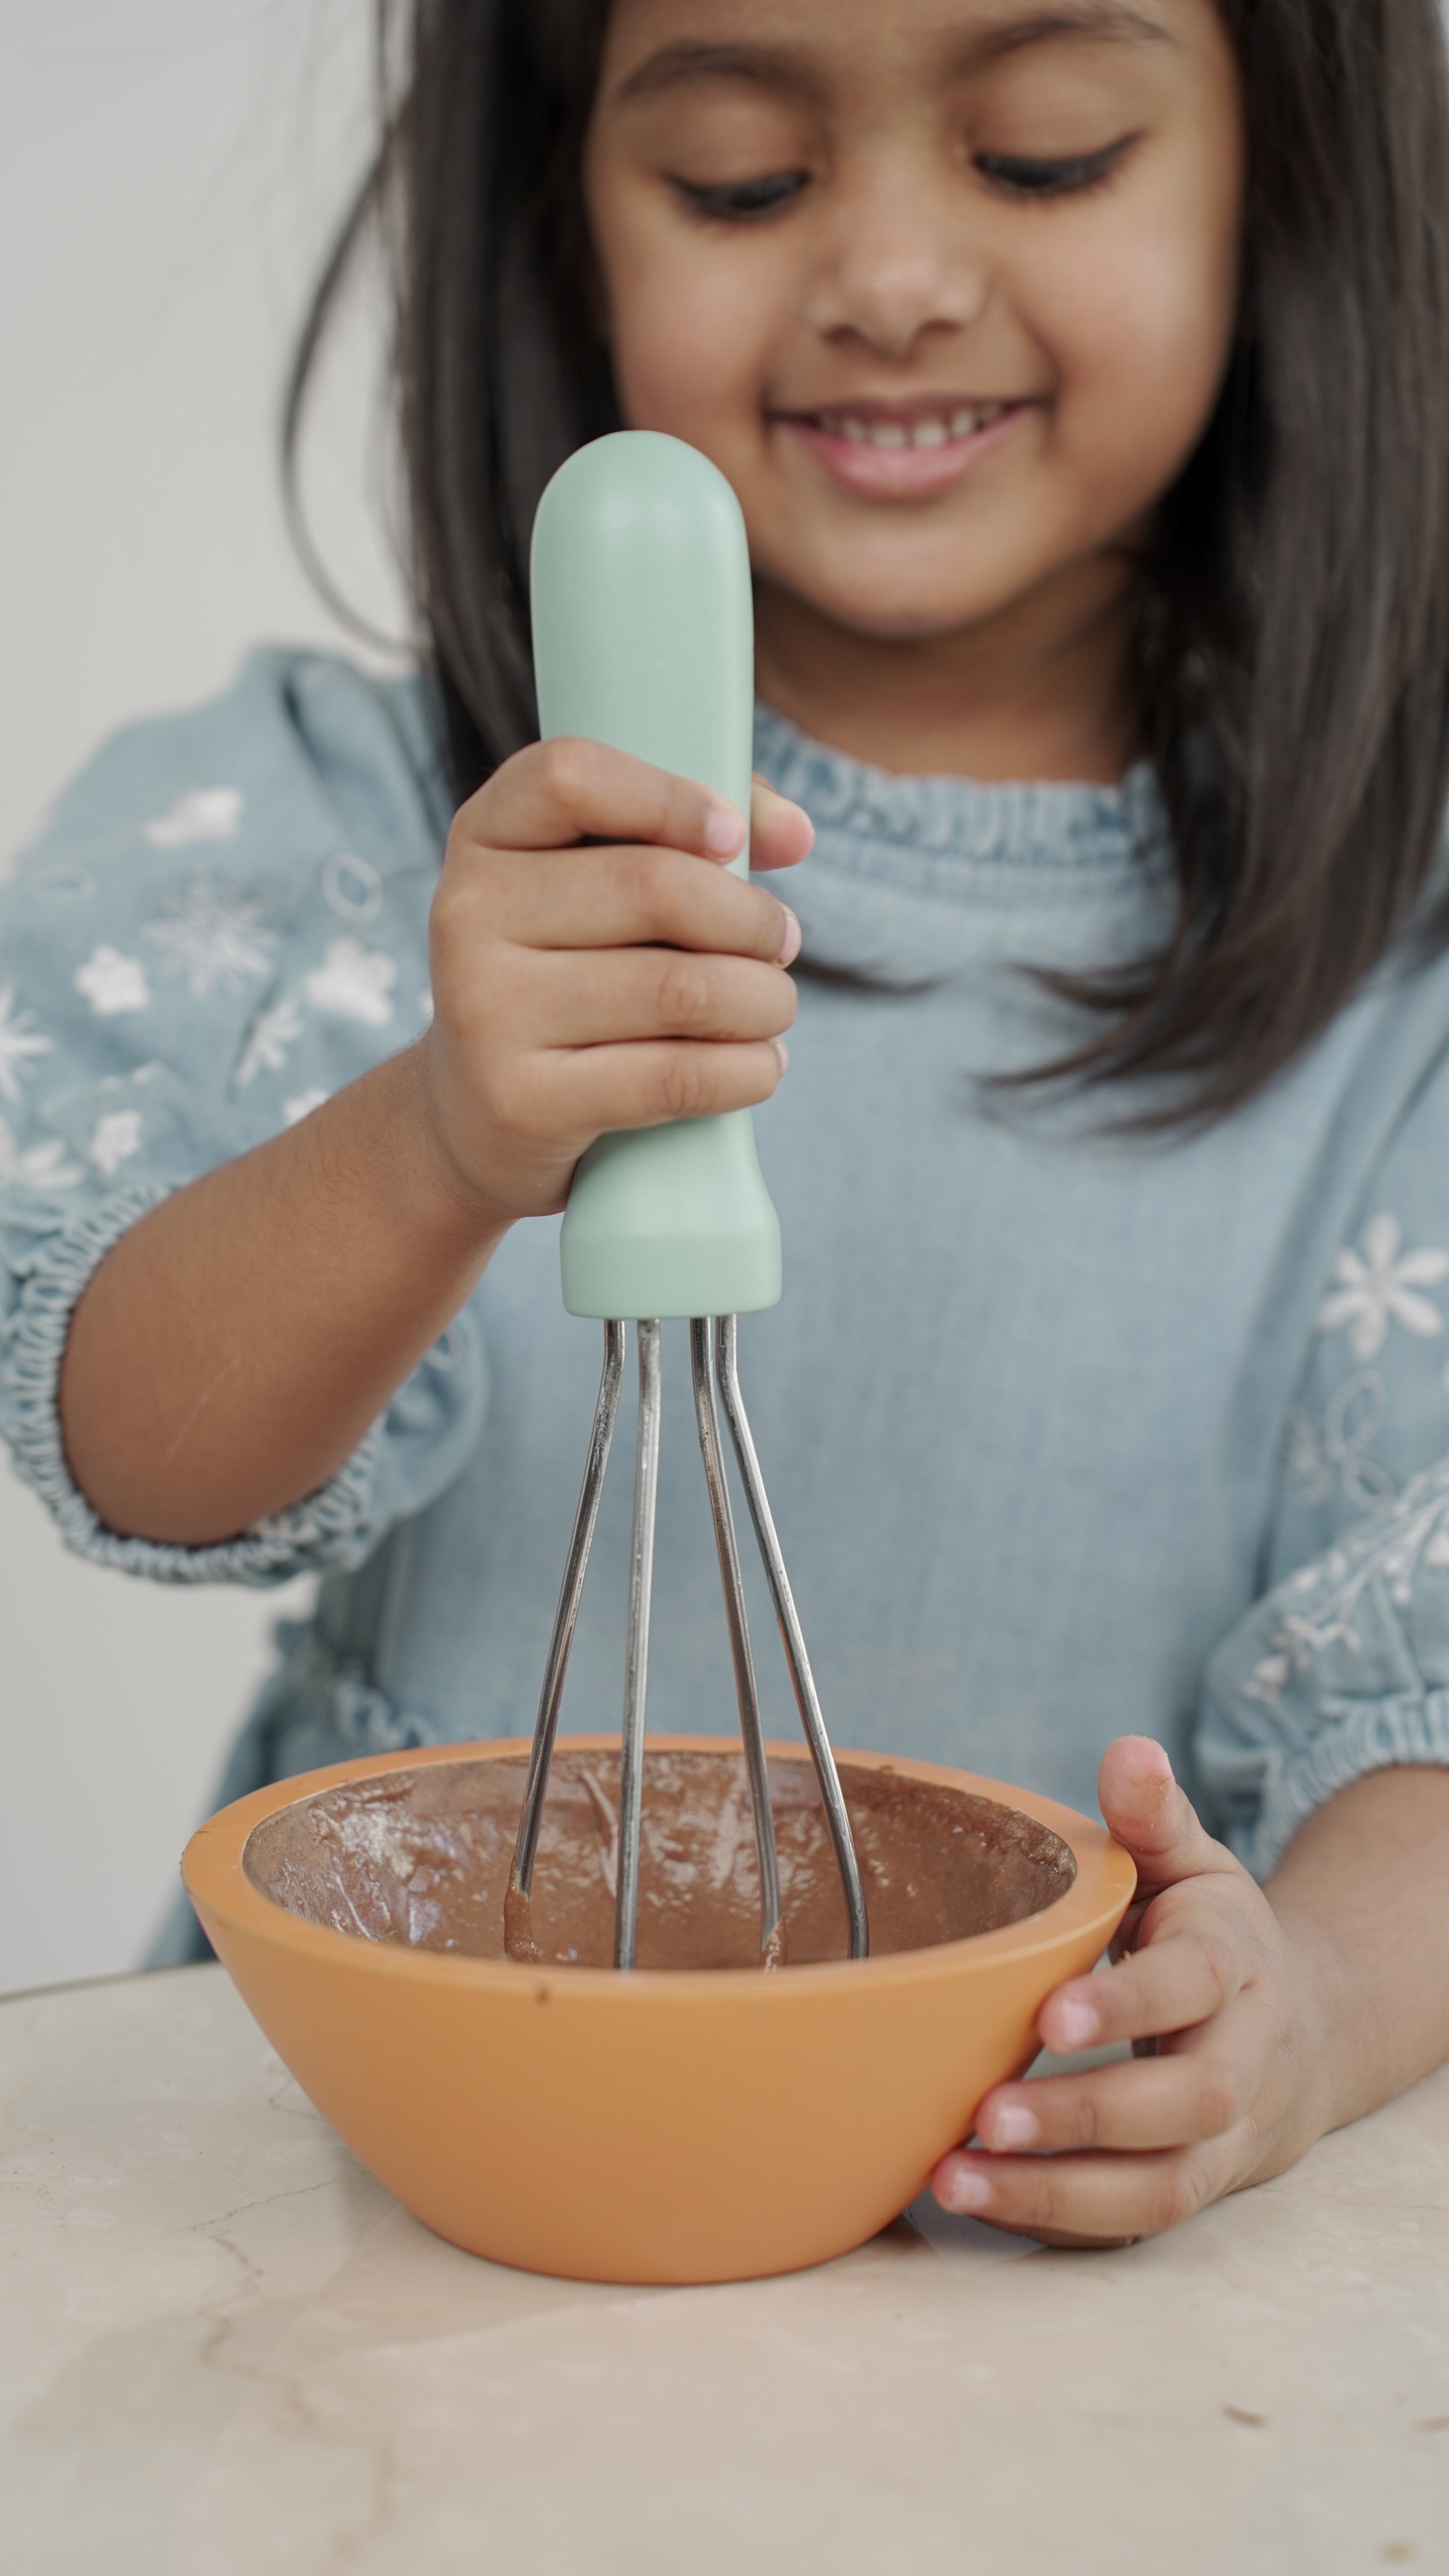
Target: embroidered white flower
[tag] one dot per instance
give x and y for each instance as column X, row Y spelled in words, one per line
column 1383, row 1555
column 302, row 1104
column 112, row 982
column 20, row 1041
column 211, row 938
column 1317, row 1461
column 1377, row 1288
column 202, row 814
column 353, row 983
column 268, row 1038
column 117, row 1138
column 1269, row 1679
column 352, row 887
column 38, row 1167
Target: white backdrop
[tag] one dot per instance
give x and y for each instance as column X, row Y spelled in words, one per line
column 169, row 170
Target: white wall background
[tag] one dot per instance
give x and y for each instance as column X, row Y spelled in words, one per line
column 169, row 170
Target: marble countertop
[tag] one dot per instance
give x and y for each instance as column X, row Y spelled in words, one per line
column 224, row 2348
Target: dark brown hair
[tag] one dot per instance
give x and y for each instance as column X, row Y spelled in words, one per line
column 1294, row 629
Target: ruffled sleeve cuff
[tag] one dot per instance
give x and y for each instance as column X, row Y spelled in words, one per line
column 337, row 1526
column 1343, row 1669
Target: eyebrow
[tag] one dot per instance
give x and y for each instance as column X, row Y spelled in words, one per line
column 780, row 67
column 772, row 66
column 1096, row 25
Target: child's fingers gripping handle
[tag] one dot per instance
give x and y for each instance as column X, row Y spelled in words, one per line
column 643, row 637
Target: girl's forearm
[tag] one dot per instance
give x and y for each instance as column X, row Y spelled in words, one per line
column 1365, row 1886
column 235, row 1345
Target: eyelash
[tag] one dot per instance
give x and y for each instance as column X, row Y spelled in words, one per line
column 743, row 201
column 1019, row 176
column 752, row 201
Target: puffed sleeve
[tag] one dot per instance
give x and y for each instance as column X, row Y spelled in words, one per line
column 224, row 920
column 1342, row 1667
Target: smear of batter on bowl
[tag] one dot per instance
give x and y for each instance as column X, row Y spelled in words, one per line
column 423, row 1857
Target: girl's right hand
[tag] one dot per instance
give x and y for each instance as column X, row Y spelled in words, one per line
column 580, row 989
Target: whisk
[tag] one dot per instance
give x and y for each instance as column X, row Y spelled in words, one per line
column 643, row 639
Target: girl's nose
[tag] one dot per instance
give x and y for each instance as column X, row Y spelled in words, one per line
column 899, row 262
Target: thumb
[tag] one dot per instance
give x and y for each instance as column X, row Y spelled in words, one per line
column 781, row 833
column 1143, row 1806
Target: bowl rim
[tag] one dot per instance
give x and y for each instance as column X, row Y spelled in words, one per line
column 214, row 1876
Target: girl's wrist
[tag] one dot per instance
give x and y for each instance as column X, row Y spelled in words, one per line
column 1328, row 2033
column 444, row 1199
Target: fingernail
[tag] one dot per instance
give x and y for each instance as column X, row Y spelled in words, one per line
column 1078, row 2024
column 724, row 833
column 783, row 1052
column 1013, row 2125
column 793, row 936
column 968, row 2188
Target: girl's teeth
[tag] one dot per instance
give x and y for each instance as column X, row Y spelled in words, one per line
column 934, row 431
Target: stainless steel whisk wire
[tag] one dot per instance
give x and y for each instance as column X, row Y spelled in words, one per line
column 636, row 1648
column 565, row 1618
column 706, row 1363
column 792, row 1636
column 748, row 1698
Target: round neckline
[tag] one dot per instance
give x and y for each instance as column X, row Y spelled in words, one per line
column 867, row 817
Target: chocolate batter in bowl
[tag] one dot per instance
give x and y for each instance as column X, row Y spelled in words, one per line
column 422, row 1857
column 694, row 2119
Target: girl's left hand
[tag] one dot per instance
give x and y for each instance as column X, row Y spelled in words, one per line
column 1229, row 2006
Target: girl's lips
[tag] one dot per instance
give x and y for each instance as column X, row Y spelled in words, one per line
column 907, row 472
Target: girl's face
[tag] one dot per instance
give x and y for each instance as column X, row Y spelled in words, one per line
column 945, row 287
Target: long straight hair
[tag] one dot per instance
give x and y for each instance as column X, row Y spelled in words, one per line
column 1293, row 628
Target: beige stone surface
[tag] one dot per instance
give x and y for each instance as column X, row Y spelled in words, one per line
column 224, row 2348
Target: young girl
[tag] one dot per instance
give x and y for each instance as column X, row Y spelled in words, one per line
column 1083, row 374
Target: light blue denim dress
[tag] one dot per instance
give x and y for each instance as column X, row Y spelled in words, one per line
column 1066, row 1433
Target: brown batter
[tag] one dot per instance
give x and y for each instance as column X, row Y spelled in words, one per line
column 423, row 1857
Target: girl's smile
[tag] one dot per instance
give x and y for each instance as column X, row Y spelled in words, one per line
column 949, row 301
column 902, row 451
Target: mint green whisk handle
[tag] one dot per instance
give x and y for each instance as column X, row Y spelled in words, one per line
column 643, row 638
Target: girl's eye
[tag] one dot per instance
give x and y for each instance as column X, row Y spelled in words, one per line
column 1024, row 175
column 743, row 201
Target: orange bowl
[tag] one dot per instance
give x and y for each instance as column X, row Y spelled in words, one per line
column 661, row 2125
